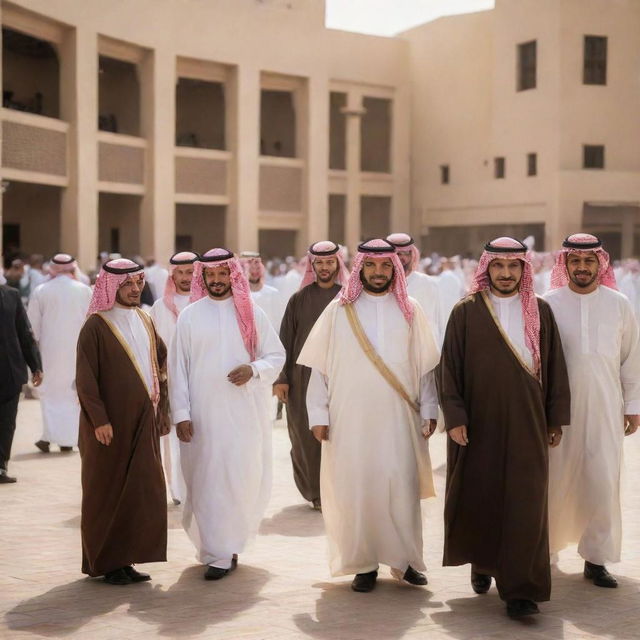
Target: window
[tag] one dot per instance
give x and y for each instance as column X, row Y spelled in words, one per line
column 498, row 167
column 527, row 66
column 444, row 174
column 595, row 60
column 532, row 164
column 593, row 156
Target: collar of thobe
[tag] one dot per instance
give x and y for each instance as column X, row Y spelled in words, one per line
column 499, row 300
column 373, row 299
column 585, row 296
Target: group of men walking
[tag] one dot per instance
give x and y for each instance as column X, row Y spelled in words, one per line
column 363, row 364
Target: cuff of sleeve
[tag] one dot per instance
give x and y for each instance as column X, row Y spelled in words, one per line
column 429, row 411
column 632, row 408
column 180, row 416
column 318, row 417
column 258, row 366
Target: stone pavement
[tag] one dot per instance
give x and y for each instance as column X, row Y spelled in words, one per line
column 282, row 588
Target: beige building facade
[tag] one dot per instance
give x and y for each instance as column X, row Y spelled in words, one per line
column 148, row 126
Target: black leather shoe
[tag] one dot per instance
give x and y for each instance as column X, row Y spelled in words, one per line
column 66, row 449
column 600, row 576
column 519, row 608
column 365, row 582
column 480, row 582
column 5, row 479
column 215, row 573
column 43, row 445
column 415, row 577
column 136, row 576
column 316, row 504
column 117, row 577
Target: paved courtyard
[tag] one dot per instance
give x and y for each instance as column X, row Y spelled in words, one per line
column 282, row 588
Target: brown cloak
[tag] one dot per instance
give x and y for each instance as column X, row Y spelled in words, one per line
column 496, row 498
column 303, row 309
column 124, row 506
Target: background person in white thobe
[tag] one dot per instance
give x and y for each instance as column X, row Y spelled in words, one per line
column 600, row 341
column 224, row 354
column 165, row 312
column 57, row 311
column 267, row 298
column 375, row 461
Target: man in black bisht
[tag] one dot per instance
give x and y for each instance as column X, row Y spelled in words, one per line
column 18, row 348
column 317, row 289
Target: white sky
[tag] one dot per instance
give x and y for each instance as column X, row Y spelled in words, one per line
column 388, row 17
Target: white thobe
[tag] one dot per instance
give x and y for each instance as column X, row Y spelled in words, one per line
column 600, row 341
column 424, row 289
column 57, row 311
column 227, row 464
column 269, row 299
column 451, row 291
column 509, row 313
column 156, row 276
column 165, row 323
column 376, row 463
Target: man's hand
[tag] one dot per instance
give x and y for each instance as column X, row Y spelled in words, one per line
column 631, row 424
column 104, row 434
column 555, row 435
column 459, row 435
column 428, row 427
column 321, row 432
column 36, row 379
column 184, row 430
column 240, row 375
column 281, row 391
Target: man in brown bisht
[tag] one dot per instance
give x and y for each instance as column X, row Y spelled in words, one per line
column 504, row 392
column 318, row 288
column 121, row 382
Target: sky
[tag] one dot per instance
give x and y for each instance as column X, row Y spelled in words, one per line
column 388, row 17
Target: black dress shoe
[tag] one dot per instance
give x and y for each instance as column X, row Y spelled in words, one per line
column 519, row 608
column 365, row 582
column 415, row 577
column 5, row 479
column 43, row 445
column 136, row 576
column 480, row 582
column 316, row 504
column 215, row 573
column 66, row 449
column 600, row 576
column 118, row 576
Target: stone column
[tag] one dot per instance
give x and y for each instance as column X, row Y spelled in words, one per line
column 353, row 112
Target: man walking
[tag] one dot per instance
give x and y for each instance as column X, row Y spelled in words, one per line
column 121, row 381
column 57, row 311
column 18, row 349
column 371, row 401
column 224, row 356
column 600, row 339
column 504, row 392
column 320, row 285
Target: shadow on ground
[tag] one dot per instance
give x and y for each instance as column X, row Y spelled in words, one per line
column 188, row 607
column 387, row 612
column 298, row 520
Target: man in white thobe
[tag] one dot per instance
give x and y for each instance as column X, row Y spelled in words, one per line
column 375, row 461
column 269, row 299
column 602, row 350
column 57, row 310
column 165, row 312
column 420, row 286
column 224, row 355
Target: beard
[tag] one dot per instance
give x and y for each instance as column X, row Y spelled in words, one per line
column 217, row 293
column 372, row 288
column 585, row 284
column 504, row 286
column 327, row 278
column 127, row 303
column 183, row 287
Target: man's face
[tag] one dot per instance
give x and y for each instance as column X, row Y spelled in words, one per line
column 326, row 269
column 582, row 268
column 376, row 274
column 128, row 295
column 255, row 271
column 182, row 275
column 505, row 275
column 405, row 255
column 218, row 281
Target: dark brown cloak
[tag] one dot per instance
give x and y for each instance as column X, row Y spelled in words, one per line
column 124, row 505
column 496, row 498
column 303, row 309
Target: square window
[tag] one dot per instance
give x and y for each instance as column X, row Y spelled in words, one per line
column 532, row 164
column 527, row 63
column 593, row 156
column 498, row 168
